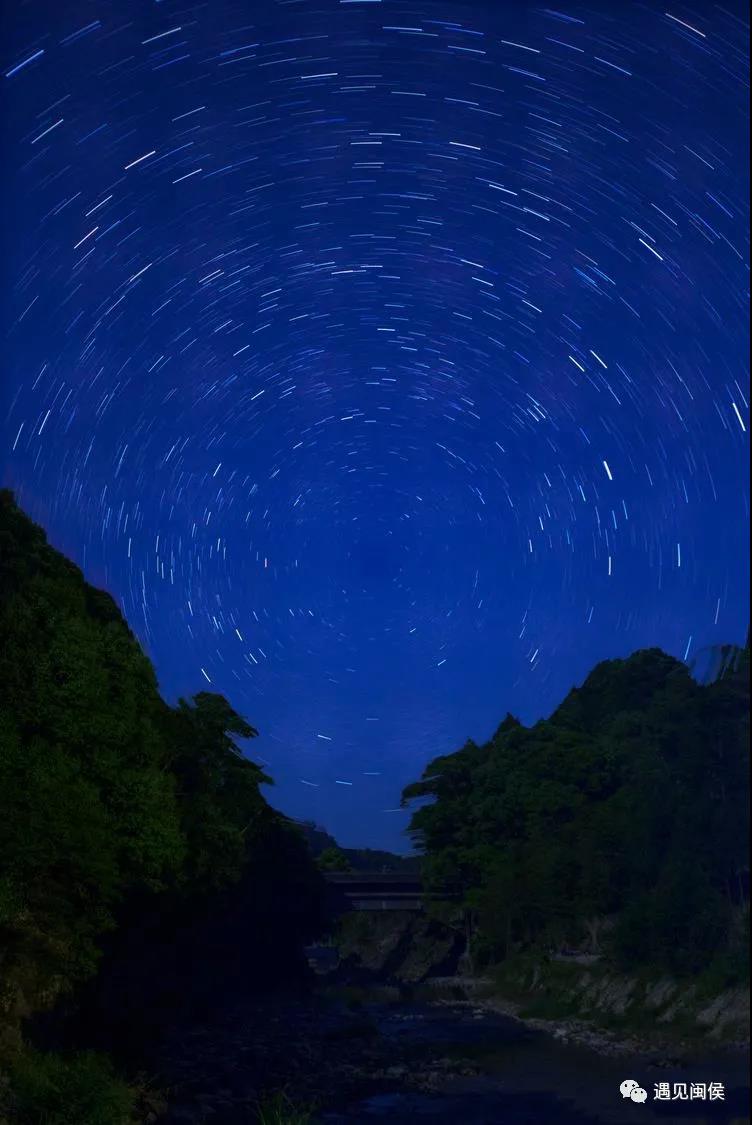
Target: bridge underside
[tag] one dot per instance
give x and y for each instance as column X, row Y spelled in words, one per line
column 374, row 902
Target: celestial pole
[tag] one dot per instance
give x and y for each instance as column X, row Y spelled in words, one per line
column 385, row 360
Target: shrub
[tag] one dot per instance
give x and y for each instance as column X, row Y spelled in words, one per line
column 49, row 1089
column 278, row 1109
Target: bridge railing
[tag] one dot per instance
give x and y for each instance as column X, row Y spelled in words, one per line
column 369, row 890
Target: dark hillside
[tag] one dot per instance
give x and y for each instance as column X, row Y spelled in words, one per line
column 127, row 827
column 619, row 826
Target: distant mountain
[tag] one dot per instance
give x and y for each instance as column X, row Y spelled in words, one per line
column 360, row 859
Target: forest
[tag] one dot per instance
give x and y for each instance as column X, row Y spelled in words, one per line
column 124, row 825
column 142, row 870
column 618, row 826
column 331, row 857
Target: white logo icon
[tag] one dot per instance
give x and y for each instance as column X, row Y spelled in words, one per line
column 631, row 1089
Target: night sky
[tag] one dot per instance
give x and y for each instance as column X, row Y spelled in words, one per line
column 384, row 359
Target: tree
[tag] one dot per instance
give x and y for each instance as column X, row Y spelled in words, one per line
column 584, row 827
column 334, row 859
column 119, row 815
column 218, row 788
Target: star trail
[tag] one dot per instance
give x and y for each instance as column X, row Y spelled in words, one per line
column 385, row 360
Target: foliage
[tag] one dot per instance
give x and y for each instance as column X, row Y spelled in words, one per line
column 110, row 799
column 334, row 859
column 360, row 859
column 88, row 806
column 584, row 829
column 217, row 788
column 278, row 1109
column 48, row 1089
column 373, row 859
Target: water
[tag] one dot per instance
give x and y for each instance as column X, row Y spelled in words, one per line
column 531, row 1079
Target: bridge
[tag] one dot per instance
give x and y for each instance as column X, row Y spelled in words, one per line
column 372, row 890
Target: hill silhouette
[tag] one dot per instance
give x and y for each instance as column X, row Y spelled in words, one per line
column 135, row 844
column 619, row 824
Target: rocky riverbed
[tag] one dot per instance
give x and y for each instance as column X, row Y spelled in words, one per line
column 438, row 1061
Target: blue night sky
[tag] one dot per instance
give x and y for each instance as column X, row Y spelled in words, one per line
column 385, row 360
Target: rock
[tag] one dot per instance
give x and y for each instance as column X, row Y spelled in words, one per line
column 728, row 1011
column 660, row 993
column 663, row 1064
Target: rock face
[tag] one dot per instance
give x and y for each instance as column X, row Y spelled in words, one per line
column 407, row 949
column 723, row 1017
column 727, row 1014
column 396, row 946
column 601, row 995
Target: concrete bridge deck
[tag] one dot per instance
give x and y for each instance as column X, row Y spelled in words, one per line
column 371, row 890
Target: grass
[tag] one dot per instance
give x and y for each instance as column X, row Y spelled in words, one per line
column 514, row 977
column 555, row 996
column 80, row 1089
column 279, row 1109
column 549, row 1008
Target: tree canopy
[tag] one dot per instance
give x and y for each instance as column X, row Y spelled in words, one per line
column 107, row 794
column 357, row 859
column 624, row 814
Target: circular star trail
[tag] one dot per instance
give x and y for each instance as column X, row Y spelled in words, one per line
column 385, row 360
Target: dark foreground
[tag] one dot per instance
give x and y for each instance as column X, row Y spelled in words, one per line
column 424, row 1062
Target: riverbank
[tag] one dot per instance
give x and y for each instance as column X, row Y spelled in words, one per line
column 527, row 1078
column 577, row 998
column 614, row 1014
column 660, row 1048
column 343, row 1057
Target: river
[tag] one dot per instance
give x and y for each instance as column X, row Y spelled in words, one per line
column 427, row 1061
column 530, row 1079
